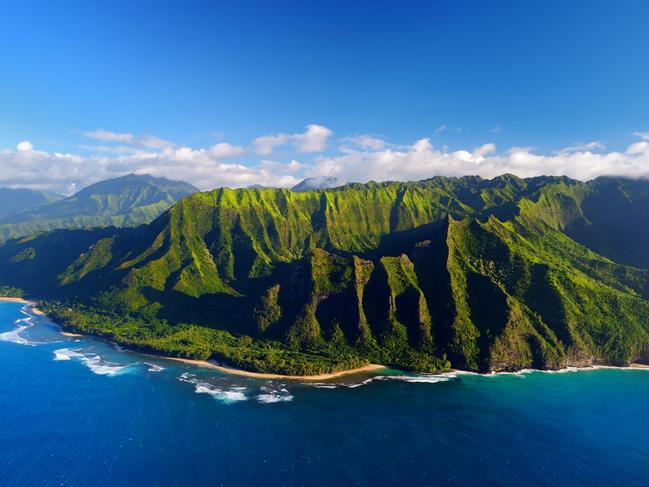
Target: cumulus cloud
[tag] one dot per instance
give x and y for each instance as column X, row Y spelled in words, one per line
column 358, row 158
column 226, row 151
column 595, row 145
column 422, row 160
column 24, row 146
column 314, row 139
column 363, row 141
column 148, row 141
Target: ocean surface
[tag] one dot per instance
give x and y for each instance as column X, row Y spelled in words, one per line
column 85, row 412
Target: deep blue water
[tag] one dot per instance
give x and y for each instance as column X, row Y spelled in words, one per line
column 110, row 417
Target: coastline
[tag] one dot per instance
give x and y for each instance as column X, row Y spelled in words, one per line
column 262, row 375
column 32, row 304
column 638, row 366
column 211, row 365
column 369, row 368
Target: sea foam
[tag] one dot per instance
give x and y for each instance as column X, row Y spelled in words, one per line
column 269, row 395
column 13, row 336
column 154, row 367
column 66, row 354
column 228, row 396
column 93, row 361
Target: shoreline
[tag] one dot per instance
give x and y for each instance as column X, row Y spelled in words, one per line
column 369, row 368
column 212, row 365
column 32, row 304
column 262, row 375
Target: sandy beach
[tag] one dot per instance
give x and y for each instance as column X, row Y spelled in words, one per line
column 227, row 370
column 70, row 334
column 35, row 310
column 255, row 375
column 260, row 375
column 639, row 366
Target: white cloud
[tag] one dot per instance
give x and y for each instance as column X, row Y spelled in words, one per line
column 595, row 145
column 314, row 139
column 496, row 130
column 107, row 136
column 365, row 142
column 360, row 158
column 421, row 160
column 266, row 144
column 226, row 151
column 24, row 146
column 642, row 135
column 445, row 128
column 148, row 141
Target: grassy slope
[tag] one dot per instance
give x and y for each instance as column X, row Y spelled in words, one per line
column 478, row 272
column 126, row 201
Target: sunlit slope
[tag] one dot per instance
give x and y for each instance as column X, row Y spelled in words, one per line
column 483, row 273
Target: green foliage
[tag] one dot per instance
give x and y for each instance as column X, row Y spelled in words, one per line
column 11, row 292
column 123, row 202
column 201, row 343
column 477, row 274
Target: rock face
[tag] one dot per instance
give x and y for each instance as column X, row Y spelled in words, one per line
column 497, row 274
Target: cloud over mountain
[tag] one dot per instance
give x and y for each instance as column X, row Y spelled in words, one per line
column 306, row 154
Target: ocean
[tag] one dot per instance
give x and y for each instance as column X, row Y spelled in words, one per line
column 80, row 411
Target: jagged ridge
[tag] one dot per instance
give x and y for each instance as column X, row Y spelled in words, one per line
column 482, row 272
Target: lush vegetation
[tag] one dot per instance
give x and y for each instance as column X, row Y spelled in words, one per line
column 126, row 201
column 13, row 201
column 201, row 343
column 477, row 274
column 11, row 292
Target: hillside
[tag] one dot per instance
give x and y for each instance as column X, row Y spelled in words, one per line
column 476, row 274
column 125, row 201
column 20, row 199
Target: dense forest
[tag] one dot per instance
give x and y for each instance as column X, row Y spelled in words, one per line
column 476, row 274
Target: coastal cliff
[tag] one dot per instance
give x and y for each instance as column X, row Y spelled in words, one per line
column 475, row 274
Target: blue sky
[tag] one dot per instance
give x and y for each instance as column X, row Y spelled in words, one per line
column 542, row 75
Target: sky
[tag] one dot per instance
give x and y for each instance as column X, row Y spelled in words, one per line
column 240, row 93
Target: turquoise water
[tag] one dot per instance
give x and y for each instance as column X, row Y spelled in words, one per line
column 81, row 412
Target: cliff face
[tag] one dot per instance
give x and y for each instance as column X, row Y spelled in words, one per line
column 495, row 274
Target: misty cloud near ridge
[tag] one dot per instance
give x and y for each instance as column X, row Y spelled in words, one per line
column 357, row 158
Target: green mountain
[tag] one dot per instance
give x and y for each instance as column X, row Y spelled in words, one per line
column 21, row 199
column 483, row 275
column 125, row 201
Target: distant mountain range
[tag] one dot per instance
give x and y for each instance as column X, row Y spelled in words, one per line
column 125, row 201
column 321, row 182
column 481, row 275
column 21, row 199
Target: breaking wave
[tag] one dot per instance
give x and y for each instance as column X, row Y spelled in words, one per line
column 228, row 396
column 14, row 336
column 94, row 362
column 269, row 395
column 66, row 354
column 154, row 367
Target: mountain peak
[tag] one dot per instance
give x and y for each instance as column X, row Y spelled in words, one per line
column 315, row 183
column 128, row 200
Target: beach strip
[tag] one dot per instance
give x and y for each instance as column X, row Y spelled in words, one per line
column 261, row 375
column 35, row 310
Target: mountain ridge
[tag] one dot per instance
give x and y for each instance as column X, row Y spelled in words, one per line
column 478, row 274
column 15, row 200
column 124, row 201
